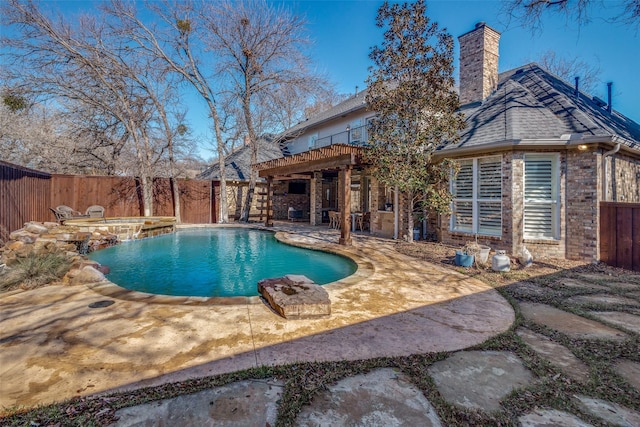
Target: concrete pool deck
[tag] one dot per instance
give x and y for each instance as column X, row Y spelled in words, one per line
column 54, row 346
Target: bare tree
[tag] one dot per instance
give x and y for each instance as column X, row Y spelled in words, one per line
column 567, row 68
column 79, row 63
column 260, row 49
column 531, row 12
column 178, row 43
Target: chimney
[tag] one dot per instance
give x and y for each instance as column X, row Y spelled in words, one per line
column 478, row 63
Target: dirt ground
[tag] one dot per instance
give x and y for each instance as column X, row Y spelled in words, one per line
column 439, row 253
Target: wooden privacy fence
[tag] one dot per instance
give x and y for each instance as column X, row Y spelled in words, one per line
column 620, row 234
column 24, row 193
column 27, row 195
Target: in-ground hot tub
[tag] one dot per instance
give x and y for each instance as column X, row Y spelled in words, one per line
column 126, row 228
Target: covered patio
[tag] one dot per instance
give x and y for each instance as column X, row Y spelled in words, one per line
column 343, row 165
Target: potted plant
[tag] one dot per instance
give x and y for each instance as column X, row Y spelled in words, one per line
column 465, row 256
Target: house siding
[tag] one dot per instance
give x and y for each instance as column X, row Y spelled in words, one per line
column 337, row 129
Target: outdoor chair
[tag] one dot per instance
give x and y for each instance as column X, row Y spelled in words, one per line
column 363, row 220
column 334, row 219
column 95, row 211
column 64, row 212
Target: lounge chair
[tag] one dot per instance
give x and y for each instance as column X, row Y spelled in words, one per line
column 64, row 212
column 95, row 211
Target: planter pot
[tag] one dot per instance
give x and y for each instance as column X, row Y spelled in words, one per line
column 483, row 257
column 463, row 259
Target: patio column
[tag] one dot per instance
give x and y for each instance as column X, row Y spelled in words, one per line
column 344, row 183
column 269, row 220
column 315, row 196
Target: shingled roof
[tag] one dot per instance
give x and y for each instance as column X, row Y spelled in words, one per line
column 531, row 104
column 238, row 163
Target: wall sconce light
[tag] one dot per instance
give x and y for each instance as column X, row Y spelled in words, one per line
column 582, row 147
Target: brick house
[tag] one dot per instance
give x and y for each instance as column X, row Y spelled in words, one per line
column 536, row 158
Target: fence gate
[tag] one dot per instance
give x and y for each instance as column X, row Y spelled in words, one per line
column 620, row 234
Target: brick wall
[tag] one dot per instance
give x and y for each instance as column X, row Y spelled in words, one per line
column 582, row 195
column 478, row 63
column 624, row 184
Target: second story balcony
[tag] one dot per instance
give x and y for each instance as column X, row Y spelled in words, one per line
column 351, row 136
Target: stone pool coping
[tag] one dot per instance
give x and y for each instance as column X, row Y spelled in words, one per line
column 364, row 269
column 59, row 342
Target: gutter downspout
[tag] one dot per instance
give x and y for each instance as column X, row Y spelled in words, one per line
column 605, row 168
column 396, row 213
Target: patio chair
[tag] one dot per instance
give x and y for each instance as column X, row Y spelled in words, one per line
column 64, row 212
column 95, row 211
column 363, row 220
column 334, row 219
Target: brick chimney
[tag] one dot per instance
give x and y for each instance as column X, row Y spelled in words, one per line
column 478, row 63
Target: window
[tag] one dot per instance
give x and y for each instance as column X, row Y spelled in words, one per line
column 541, row 201
column 312, row 141
column 355, row 131
column 477, row 197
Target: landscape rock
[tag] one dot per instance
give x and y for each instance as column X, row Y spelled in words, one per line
column 551, row 418
column 625, row 320
column 86, row 275
column 296, row 297
column 603, row 299
column 243, row 403
column 35, row 228
column 629, row 371
column 557, row 354
column 568, row 323
column 23, row 235
column 479, row 379
column 610, row 412
column 382, row 397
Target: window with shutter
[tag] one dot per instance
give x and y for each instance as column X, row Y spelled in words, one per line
column 541, row 204
column 477, row 196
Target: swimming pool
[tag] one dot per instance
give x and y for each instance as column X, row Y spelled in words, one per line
column 221, row 262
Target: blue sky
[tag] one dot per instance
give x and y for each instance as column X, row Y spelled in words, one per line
column 343, row 32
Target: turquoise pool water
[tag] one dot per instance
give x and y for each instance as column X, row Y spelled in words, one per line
column 220, row 262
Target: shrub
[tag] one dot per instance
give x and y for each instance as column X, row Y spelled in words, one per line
column 34, row 270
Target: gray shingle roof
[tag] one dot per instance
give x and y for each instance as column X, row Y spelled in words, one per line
column 238, row 163
column 531, row 103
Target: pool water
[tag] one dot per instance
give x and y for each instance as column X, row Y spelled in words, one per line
column 222, row 262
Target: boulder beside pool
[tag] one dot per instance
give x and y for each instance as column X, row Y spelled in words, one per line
column 296, row 297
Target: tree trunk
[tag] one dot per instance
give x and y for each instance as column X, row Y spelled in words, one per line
column 253, row 145
column 409, row 217
column 147, row 194
column 223, row 218
column 175, row 190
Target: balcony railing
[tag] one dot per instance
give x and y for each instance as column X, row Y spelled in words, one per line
column 354, row 136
